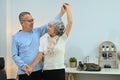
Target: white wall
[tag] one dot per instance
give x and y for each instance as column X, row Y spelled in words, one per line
column 3, row 28
column 11, row 68
column 94, row 21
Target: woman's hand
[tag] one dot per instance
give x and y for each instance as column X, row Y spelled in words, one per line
column 30, row 69
column 26, row 70
column 65, row 5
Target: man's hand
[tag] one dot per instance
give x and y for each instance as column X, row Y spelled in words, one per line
column 62, row 11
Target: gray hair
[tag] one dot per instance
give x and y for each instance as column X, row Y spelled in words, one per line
column 22, row 14
column 59, row 26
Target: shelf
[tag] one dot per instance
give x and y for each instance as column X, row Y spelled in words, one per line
column 108, row 60
column 108, row 51
column 106, row 71
column 107, row 54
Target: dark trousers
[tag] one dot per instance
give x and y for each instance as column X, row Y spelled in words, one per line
column 58, row 74
column 37, row 75
column 3, row 75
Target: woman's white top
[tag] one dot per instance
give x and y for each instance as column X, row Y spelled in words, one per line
column 54, row 50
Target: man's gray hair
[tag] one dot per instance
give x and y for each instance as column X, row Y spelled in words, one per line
column 59, row 26
column 22, row 14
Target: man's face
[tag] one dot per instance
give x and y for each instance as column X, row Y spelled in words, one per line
column 27, row 22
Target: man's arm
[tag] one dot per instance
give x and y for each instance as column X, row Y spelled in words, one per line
column 15, row 55
column 62, row 11
column 43, row 29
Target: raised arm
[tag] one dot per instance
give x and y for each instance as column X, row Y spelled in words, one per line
column 43, row 29
column 62, row 11
column 69, row 18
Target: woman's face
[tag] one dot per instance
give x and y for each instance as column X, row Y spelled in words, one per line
column 51, row 30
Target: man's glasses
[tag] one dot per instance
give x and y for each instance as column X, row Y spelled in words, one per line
column 31, row 21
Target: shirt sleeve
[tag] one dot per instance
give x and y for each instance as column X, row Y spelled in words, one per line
column 57, row 17
column 15, row 54
column 41, row 47
column 64, row 36
column 43, row 29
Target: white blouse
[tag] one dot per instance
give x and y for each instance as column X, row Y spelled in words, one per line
column 54, row 50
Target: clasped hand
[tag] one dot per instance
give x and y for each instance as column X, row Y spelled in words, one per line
column 28, row 69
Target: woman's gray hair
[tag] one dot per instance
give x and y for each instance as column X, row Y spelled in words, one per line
column 59, row 26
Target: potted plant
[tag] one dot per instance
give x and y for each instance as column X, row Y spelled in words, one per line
column 73, row 62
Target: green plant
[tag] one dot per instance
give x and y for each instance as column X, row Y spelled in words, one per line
column 73, row 59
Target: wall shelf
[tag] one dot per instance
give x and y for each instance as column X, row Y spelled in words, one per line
column 107, row 55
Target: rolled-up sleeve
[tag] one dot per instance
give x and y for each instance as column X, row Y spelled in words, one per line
column 57, row 17
column 41, row 47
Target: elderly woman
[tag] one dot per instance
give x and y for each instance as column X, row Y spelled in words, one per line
column 53, row 48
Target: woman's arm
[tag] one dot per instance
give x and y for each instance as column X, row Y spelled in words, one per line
column 36, row 61
column 69, row 18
